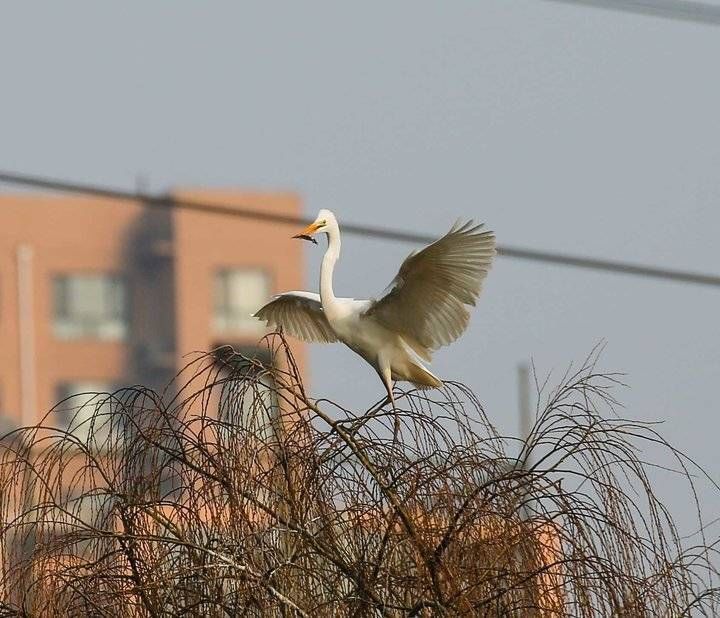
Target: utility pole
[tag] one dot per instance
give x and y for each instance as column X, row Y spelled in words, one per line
column 525, row 422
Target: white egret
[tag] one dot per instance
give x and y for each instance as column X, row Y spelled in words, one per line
column 423, row 308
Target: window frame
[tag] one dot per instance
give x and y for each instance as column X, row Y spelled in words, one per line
column 64, row 319
column 237, row 406
column 250, row 328
column 69, row 406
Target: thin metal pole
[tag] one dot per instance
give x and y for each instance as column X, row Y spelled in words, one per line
column 524, row 413
column 26, row 331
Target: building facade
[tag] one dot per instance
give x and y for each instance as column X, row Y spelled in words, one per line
column 99, row 293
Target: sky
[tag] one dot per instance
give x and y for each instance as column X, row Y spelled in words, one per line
column 564, row 128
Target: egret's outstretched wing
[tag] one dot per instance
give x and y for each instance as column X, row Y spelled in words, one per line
column 427, row 300
column 300, row 314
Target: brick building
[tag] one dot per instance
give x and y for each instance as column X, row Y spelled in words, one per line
column 98, row 293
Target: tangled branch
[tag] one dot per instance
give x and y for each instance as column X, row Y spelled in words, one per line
column 233, row 493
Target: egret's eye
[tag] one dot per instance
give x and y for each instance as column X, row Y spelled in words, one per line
column 323, row 222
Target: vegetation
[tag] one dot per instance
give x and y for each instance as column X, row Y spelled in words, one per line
column 234, row 494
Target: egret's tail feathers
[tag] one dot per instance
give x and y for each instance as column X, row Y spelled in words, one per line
column 422, row 378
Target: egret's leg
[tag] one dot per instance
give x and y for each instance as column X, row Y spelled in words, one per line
column 389, row 388
column 386, row 376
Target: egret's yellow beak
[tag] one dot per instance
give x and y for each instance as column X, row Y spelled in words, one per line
column 307, row 233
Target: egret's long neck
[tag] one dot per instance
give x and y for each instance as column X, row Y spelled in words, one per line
column 327, row 296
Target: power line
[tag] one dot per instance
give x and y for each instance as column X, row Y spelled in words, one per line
column 679, row 10
column 168, row 201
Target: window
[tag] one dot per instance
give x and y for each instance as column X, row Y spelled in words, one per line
column 90, row 306
column 238, row 294
column 251, row 405
column 85, row 407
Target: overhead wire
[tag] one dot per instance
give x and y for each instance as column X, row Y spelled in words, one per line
column 679, row 10
column 169, row 201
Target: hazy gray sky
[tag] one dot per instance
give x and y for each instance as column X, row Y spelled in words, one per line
column 564, row 128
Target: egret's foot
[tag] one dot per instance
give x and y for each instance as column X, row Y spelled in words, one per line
column 356, row 423
column 396, row 416
column 396, row 430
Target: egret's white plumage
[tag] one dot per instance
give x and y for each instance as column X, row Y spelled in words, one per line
column 424, row 308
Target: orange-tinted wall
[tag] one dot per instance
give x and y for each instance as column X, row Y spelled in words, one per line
column 206, row 242
column 88, row 234
column 64, row 235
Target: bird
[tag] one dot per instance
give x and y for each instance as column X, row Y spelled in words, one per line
column 426, row 305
